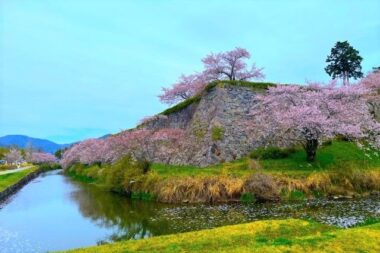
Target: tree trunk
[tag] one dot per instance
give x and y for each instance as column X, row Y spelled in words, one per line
column 311, row 149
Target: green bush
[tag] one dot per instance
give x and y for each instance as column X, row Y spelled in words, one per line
column 217, row 133
column 50, row 166
column 296, row 195
column 247, row 198
column 271, row 153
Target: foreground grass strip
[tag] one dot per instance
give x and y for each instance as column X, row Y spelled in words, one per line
column 10, row 179
column 290, row 235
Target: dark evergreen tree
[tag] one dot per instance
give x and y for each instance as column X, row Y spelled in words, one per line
column 344, row 62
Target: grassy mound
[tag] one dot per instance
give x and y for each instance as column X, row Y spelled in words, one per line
column 290, row 235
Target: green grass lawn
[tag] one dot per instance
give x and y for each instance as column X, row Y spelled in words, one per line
column 290, row 235
column 339, row 153
column 12, row 178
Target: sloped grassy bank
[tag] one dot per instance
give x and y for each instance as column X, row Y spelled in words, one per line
column 11, row 182
column 290, row 235
column 342, row 169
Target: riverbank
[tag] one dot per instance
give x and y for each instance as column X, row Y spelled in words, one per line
column 341, row 170
column 290, row 235
column 13, row 181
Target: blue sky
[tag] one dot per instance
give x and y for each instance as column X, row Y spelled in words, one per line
column 73, row 69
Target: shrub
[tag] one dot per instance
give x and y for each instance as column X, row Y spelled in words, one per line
column 271, row 153
column 50, row 166
column 217, row 133
column 247, row 198
column 263, row 187
column 296, row 195
column 125, row 174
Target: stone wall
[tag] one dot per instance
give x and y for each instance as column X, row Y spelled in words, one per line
column 215, row 127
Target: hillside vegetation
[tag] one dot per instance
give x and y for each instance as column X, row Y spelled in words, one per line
column 341, row 169
column 262, row 236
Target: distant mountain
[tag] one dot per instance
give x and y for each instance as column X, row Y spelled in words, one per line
column 22, row 141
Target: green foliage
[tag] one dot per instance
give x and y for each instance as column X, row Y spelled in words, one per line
column 336, row 154
column 125, row 176
column 3, row 151
column 217, row 133
column 10, row 179
column 49, row 166
column 271, row 153
column 143, row 196
column 296, row 195
column 182, row 105
column 59, row 153
column 344, row 62
column 247, row 198
column 340, row 169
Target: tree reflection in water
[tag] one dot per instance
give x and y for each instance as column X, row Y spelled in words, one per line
column 128, row 218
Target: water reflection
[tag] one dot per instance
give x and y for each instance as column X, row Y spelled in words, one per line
column 55, row 213
column 133, row 219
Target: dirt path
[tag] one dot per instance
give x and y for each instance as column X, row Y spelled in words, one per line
column 15, row 170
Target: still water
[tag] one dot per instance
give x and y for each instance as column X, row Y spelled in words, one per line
column 55, row 213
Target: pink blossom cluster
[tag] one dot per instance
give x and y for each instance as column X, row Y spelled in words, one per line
column 231, row 65
column 186, row 87
column 135, row 142
column 371, row 81
column 13, row 156
column 228, row 65
column 40, row 157
column 299, row 114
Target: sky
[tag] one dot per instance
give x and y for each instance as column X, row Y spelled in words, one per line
column 76, row 69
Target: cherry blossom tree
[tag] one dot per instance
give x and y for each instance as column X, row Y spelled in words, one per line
column 138, row 143
column 307, row 115
column 231, row 65
column 371, row 81
column 40, row 157
column 186, row 87
column 228, row 65
column 13, row 156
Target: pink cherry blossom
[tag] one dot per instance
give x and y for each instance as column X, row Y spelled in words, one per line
column 137, row 142
column 40, row 157
column 186, row 87
column 228, row 65
column 13, row 156
column 290, row 115
column 231, row 65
